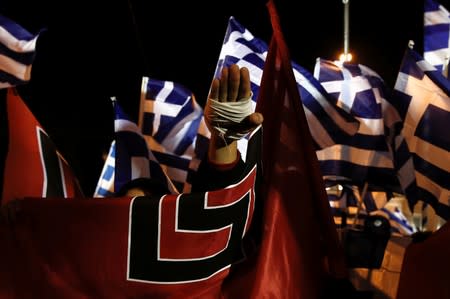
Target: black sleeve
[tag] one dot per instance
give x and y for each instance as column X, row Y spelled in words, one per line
column 209, row 177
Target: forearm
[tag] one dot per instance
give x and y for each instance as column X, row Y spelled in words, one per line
column 212, row 175
column 221, row 152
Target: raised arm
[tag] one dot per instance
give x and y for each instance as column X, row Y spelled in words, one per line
column 228, row 114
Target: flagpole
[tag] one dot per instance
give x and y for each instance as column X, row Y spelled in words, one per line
column 360, row 201
column 138, row 36
column 346, row 29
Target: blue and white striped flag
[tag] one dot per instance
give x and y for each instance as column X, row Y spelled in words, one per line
column 347, row 203
column 436, row 39
column 129, row 158
column 172, row 124
column 105, row 185
column 400, row 216
column 327, row 122
column 393, row 207
column 17, row 53
column 365, row 157
column 422, row 154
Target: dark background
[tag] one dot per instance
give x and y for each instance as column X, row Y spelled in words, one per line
column 92, row 50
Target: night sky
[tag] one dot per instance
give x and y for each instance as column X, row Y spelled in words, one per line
column 91, row 50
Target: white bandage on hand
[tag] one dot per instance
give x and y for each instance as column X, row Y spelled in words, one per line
column 225, row 117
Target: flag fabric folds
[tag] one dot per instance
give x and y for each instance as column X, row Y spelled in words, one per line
column 173, row 246
column 422, row 153
column 436, row 39
column 327, row 122
column 299, row 236
column 129, row 157
column 365, row 157
column 172, row 123
column 33, row 166
column 350, row 209
column 17, row 52
column 425, row 267
column 241, row 47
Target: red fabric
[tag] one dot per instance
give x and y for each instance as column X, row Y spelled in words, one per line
column 425, row 269
column 82, row 248
column 24, row 173
column 300, row 245
column 79, row 249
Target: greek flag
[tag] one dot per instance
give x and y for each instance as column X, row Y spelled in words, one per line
column 327, row 122
column 422, row 148
column 17, row 52
column 436, row 40
column 400, row 216
column 384, row 204
column 172, row 124
column 105, row 185
column 367, row 156
column 129, row 158
column 350, row 208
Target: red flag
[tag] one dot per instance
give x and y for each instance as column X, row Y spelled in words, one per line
column 33, row 166
column 300, row 248
column 425, row 269
column 116, row 248
column 176, row 246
